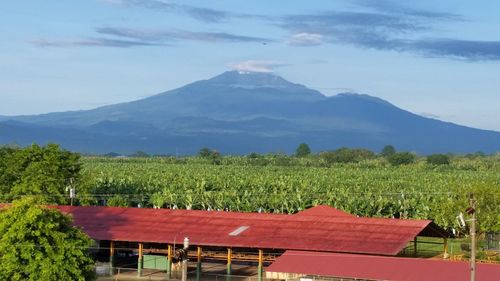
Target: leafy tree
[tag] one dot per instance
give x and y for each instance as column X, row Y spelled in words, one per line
column 347, row 155
column 280, row 159
column 7, row 176
column 38, row 243
column 438, row 159
column 303, row 150
column 36, row 170
column 205, row 152
column 211, row 154
column 401, row 158
column 475, row 155
column 388, row 150
column 215, row 157
column 254, row 155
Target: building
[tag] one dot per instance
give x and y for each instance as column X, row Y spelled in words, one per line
column 153, row 235
column 304, row 264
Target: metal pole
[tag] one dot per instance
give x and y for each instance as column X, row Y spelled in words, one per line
column 111, row 257
column 415, row 249
column 169, row 262
column 259, row 276
column 198, row 264
column 139, row 261
column 229, row 256
column 445, row 248
column 72, row 193
column 185, row 260
column 473, row 238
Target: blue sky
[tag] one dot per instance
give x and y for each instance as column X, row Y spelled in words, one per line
column 436, row 58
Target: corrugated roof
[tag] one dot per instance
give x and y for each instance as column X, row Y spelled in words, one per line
column 379, row 268
column 265, row 231
column 324, row 210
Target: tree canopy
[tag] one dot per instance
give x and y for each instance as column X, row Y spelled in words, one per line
column 38, row 243
column 211, row 154
column 401, row 158
column 388, row 150
column 438, row 159
column 303, row 150
column 36, row 170
column 347, row 155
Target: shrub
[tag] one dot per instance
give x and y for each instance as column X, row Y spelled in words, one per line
column 438, row 159
column 401, row 158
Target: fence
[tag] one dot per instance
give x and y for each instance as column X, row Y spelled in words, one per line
column 493, row 241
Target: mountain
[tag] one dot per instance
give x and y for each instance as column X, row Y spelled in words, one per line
column 242, row 112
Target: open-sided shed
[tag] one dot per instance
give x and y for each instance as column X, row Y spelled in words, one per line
column 244, row 236
column 309, row 231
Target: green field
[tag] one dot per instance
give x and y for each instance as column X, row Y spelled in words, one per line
column 286, row 184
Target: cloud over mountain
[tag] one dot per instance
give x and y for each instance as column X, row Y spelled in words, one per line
column 257, row 66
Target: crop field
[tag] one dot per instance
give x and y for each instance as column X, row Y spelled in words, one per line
column 288, row 185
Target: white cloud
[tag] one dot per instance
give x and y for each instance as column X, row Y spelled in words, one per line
column 306, row 39
column 256, row 66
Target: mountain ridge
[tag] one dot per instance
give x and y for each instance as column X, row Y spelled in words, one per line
column 261, row 112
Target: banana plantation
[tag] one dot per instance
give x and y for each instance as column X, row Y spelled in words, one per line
column 367, row 188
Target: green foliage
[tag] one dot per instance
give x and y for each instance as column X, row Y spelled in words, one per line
column 117, row 201
column 40, row 244
column 212, row 155
column 256, row 159
column 438, row 159
column 35, row 170
column 388, row 150
column 254, row 155
column 347, row 155
column 284, row 184
column 401, row 158
column 205, row 152
column 303, row 150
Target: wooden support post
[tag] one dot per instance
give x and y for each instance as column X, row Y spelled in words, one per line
column 261, row 261
column 229, row 256
column 415, row 246
column 111, row 258
column 169, row 261
column 445, row 248
column 139, row 261
column 198, row 264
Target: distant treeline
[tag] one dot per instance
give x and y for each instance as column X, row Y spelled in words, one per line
column 304, row 157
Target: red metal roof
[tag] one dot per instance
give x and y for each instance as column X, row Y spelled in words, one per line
column 324, row 210
column 266, row 231
column 379, row 268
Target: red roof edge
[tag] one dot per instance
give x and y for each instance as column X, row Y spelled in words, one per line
column 379, row 268
column 324, row 210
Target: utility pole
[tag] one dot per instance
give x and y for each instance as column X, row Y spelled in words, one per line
column 185, row 259
column 72, row 193
column 472, row 211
